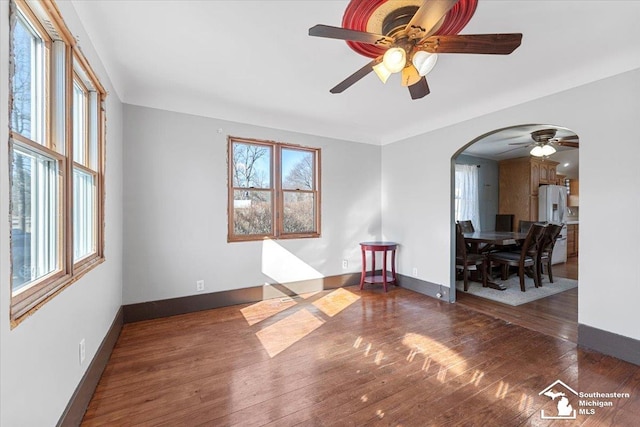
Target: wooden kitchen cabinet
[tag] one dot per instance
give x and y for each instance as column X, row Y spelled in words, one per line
column 573, row 236
column 519, row 180
column 574, row 192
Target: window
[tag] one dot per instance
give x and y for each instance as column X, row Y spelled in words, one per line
column 56, row 143
column 467, row 203
column 273, row 190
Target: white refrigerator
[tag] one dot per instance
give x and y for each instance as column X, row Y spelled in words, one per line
column 552, row 207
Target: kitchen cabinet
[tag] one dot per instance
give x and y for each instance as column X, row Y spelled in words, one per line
column 573, row 236
column 519, row 180
column 574, row 192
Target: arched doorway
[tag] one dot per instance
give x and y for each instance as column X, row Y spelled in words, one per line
column 510, row 148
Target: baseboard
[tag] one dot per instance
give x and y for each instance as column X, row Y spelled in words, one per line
column 192, row 303
column 77, row 406
column 425, row 288
column 618, row 346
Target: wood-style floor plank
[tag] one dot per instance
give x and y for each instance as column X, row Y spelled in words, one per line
column 350, row 358
column 556, row 315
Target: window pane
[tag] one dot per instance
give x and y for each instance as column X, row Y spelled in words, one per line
column 84, row 214
column 94, row 128
column 299, row 212
column 34, row 217
column 252, row 212
column 27, row 87
column 251, row 166
column 297, row 169
column 79, row 124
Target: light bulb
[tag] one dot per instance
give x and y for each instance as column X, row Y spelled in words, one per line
column 424, row 61
column 548, row 150
column 536, row 151
column 382, row 72
column 394, row 59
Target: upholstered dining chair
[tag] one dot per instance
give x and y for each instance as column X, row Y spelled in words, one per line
column 525, row 258
column 547, row 243
column 466, row 261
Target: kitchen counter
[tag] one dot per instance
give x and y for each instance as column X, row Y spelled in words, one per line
column 573, row 221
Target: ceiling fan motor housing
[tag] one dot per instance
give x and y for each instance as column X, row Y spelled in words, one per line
column 543, row 135
column 389, row 17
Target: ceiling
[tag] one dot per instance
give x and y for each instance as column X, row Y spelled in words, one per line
column 253, row 62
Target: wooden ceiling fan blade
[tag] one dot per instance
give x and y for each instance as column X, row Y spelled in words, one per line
column 355, row 77
column 426, row 19
column 492, row 44
column 351, row 35
column 520, row 143
column 566, row 143
column 420, row 89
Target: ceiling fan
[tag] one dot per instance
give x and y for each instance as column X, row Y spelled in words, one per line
column 410, row 34
column 544, row 141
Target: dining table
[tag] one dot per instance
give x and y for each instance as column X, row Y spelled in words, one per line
column 486, row 241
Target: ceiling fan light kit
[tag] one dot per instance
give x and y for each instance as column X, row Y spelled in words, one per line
column 542, row 150
column 382, row 72
column 395, row 59
column 406, row 36
column 424, row 61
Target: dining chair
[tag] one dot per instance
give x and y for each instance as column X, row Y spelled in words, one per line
column 547, row 243
column 525, row 258
column 504, row 222
column 465, row 260
column 467, row 226
column 524, row 226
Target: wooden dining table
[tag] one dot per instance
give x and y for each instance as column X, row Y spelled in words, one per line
column 491, row 240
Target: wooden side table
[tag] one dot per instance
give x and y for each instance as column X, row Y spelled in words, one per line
column 374, row 247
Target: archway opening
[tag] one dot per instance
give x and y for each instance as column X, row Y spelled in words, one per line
column 511, row 189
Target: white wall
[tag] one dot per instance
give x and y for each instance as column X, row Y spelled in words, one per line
column 39, row 361
column 605, row 114
column 175, row 203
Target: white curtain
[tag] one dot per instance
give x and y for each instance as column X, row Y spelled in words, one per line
column 466, row 194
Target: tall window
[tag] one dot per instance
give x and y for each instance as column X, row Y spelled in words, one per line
column 273, row 190
column 467, row 202
column 56, row 162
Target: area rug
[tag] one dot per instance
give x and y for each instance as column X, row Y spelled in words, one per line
column 513, row 295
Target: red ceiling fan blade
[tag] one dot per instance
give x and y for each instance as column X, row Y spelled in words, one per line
column 425, row 21
column 355, row 77
column 492, row 44
column 351, row 35
column 420, row 89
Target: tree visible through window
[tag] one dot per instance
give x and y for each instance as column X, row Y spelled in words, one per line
column 273, row 191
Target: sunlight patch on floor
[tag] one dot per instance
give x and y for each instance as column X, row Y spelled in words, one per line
column 336, row 301
column 256, row 313
column 286, row 332
column 447, row 359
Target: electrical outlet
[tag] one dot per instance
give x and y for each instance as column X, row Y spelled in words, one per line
column 200, row 285
column 345, row 264
column 82, row 352
column 415, row 272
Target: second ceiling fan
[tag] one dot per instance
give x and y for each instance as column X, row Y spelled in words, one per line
column 410, row 39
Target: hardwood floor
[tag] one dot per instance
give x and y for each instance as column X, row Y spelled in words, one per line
column 347, row 357
column 556, row 315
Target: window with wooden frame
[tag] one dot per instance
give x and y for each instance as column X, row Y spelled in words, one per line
column 274, row 190
column 56, row 148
